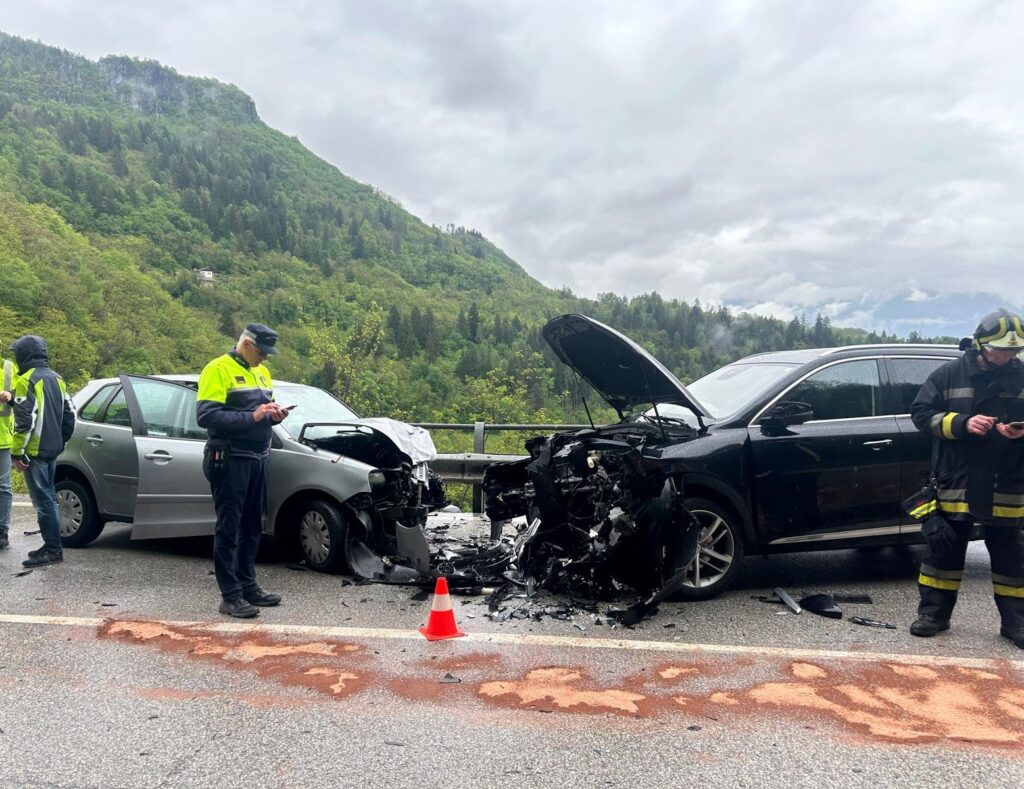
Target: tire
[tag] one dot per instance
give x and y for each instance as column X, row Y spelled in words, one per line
column 80, row 521
column 322, row 536
column 719, row 532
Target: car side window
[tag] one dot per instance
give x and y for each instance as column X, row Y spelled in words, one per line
column 92, row 408
column 906, row 377
column 117, row 411
column 847, row 390
column 167, row 409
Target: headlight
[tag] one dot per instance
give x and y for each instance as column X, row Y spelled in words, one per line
column 378, row 481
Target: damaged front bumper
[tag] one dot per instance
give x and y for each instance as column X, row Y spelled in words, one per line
column 604, row 515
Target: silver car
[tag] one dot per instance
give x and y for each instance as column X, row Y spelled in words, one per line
column 351, row 493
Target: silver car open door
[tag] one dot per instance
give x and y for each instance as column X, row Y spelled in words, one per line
column 173, row 495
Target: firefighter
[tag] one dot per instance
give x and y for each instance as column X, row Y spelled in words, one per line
column 236, row 406
column 972, row 407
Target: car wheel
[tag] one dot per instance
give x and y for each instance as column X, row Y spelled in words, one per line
column 719, row 551
column 80, row 522
column 322, row 535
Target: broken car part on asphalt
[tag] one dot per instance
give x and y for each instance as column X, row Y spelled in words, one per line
column 791, row 604
column 861, row 620
column 822, row 605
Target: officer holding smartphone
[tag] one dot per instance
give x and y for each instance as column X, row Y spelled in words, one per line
column 236, row 406
column 972, row 408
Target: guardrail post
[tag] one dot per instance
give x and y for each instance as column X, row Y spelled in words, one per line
column 479, row 438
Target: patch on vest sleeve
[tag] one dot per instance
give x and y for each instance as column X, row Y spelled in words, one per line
column 240, row 379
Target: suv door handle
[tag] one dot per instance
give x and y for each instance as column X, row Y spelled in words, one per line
column 876, row 445
column 94, row 440
column 158, row 456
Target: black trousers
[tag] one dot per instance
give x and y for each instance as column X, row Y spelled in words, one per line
column 943, row 571
column 239, row 497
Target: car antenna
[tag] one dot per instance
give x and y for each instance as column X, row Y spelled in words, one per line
column 583, row 398
column 650, row 393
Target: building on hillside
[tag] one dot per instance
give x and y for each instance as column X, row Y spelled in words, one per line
column 206, row 277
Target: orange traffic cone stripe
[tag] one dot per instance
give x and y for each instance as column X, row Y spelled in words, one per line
column 441, row 623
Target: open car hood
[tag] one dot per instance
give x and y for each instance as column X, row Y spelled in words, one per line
column 623, row 373
column 413, row 441
column 373, row 441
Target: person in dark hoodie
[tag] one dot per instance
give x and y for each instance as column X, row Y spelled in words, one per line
column 44, row 420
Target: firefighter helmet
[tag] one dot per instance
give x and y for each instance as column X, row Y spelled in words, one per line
column 1001, row 330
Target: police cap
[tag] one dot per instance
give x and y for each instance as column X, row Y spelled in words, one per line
column 262, row 336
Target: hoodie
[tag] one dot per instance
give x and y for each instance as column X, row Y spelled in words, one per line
column 44, row 417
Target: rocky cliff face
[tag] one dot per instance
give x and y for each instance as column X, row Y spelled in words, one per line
column 150, row 88
column 31, row 71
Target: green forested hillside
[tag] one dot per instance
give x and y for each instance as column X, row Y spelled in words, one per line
column 119, row 179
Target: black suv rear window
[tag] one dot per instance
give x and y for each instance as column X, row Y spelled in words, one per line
column 906, row 376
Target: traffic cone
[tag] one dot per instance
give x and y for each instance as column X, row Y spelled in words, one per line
column 441, row 623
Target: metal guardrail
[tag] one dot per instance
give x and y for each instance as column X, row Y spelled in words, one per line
column 468, row 467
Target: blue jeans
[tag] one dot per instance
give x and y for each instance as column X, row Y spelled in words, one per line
column 6, row 494
column 39, row 478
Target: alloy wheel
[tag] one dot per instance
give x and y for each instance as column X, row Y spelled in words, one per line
column 716, row 550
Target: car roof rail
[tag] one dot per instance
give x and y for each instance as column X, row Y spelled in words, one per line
column 891, row 345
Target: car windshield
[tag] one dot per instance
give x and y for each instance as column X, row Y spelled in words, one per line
column 312, row 405
column 728, row 389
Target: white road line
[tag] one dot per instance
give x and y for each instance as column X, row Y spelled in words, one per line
column 517, row 639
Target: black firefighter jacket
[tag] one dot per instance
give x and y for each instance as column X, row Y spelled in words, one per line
column 980, row 478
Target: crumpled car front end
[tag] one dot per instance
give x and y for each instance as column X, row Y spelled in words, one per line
column 385, row 541
column 603, row 510
column 603, row 515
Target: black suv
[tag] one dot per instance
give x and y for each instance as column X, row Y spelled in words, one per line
column 786, row 451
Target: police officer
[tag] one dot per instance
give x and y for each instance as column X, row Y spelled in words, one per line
column 972, row 407
column 236, row 406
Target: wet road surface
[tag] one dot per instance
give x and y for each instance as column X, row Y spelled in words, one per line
column 115, row 670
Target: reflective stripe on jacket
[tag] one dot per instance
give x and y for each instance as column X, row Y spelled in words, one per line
column 44, row 417
column 979, row 478
column 229, row 391
column 6, row 411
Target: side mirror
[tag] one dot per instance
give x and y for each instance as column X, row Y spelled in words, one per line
column 785, row 414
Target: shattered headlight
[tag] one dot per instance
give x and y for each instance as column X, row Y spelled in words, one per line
column 387, row 484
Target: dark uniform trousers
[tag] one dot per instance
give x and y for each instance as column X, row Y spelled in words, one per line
column 942, row 572
column 239, row 497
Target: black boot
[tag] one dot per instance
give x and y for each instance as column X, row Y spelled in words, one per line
column 45, row 556
column 4, row 542
column 238, row 608
column 263, row 599
column 1016, row 636
column 926, row 627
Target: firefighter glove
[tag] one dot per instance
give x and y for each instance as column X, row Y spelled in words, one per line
column 939, row 534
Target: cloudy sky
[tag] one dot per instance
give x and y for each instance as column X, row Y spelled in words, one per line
column 859, row 158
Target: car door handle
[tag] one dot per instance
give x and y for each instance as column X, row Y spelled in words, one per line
column 876, row 445
column 94, row 440
column 158, row 456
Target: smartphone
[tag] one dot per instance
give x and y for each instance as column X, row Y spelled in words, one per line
column 290, row 407
column 1015, row 425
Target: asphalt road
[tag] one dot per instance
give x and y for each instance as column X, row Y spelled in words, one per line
column 116, row 671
